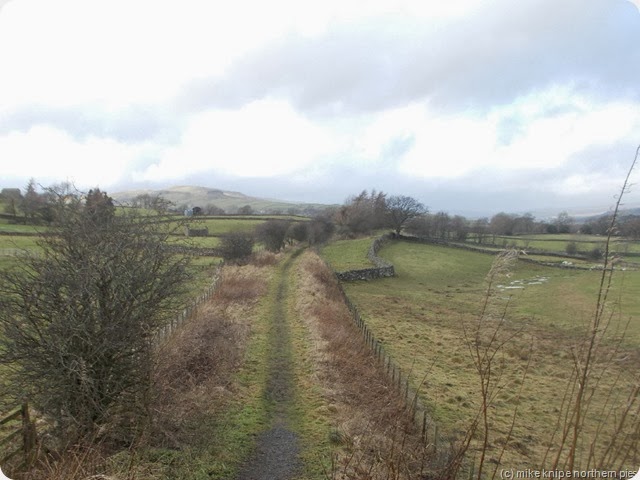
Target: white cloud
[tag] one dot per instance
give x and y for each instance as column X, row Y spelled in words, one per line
column 263, row 139
column 49, row 155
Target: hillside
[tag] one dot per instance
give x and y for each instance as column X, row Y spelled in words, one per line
column 191, row 196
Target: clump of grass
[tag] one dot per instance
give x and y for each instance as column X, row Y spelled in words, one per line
column 239, row 285
column 264, row 259
column 193, row 373
column 90, row 462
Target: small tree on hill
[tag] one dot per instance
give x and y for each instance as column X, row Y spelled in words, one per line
column 77, row 320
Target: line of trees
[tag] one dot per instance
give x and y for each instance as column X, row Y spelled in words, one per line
column 274, row 235
column 367, row 212
column 36, row 207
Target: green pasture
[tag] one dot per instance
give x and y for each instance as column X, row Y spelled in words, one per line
column 348, row 254
column 20, row 242
column 424, row 315
column 222, row 225
column 205, row 242
column 558, row 243
column 6, row 227
column 454, row 280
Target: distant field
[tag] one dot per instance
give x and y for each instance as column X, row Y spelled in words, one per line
column 19, row 228
column 18, row 241
column 202, row 242
column 420, row 313
column 558, row 243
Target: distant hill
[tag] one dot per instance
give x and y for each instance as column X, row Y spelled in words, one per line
column 624, row 212
column 230, row 202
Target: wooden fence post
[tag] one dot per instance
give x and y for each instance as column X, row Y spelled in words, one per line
column 424, row 426
column 28, row 435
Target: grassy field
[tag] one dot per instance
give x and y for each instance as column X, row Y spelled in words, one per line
column 348, row 254
column 12, row 244
column 421, row 316
column 558, row 243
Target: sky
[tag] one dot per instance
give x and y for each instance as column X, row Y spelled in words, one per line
column 471, row 106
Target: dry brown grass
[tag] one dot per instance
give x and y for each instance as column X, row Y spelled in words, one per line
column 196, row 365
column 89, row 462
column 375, row 435
column 264, row 258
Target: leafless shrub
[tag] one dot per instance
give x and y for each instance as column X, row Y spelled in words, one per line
column 77, row 320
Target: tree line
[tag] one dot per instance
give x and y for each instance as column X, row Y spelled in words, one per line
column 360, row 214
column 369, row 211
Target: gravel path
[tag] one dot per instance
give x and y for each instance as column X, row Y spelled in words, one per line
column 276, row 453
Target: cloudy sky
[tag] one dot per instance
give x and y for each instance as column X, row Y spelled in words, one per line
column 472, row 106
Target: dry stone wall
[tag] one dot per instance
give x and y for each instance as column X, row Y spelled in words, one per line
column 382, row 267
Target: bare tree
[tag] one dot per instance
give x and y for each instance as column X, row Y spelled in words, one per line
column 77, row 319
column 564, row 223
column 459, row 228
column 236, row 246
column 31, row 202
column 363, row 213
column 320, row 229
column 272, row 234
column 401, row 209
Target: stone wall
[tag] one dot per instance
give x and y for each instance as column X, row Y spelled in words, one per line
column 366, row 273
column 382, row 267
column 196, row 232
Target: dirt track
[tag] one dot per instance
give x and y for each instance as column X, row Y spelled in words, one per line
column 276, row 452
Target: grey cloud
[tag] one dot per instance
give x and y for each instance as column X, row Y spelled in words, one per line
column 508, row 49
column 132, row 124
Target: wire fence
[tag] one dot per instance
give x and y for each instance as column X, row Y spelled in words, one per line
column 408, row 387
column 165, row 331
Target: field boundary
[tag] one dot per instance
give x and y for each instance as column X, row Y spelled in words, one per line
column 165, row 331
column 471, row 248
column 382, row 268
column 399, row 379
